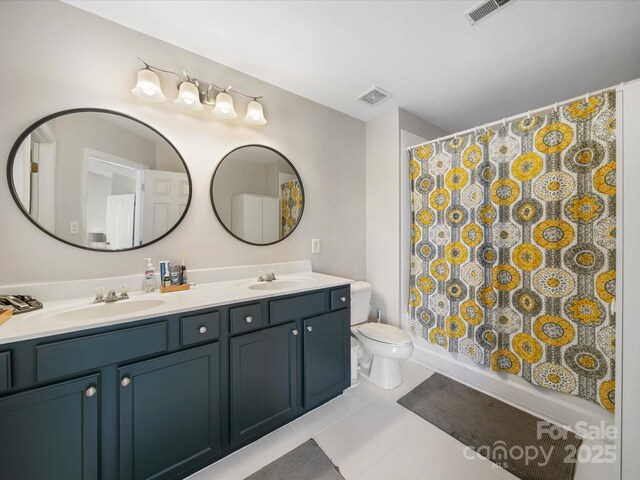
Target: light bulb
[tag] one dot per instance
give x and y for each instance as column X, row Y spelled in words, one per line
column 224, row 106
column 148, row 86
column 255, row 115
column 189, row 96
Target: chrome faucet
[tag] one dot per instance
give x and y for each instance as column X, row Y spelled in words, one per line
column 269, row 277
column 112, row 296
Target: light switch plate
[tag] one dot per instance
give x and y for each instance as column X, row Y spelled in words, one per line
column 73, row 227
column 315, row 245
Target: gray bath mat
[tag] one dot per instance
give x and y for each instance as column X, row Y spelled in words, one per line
column 491, row 428
column 306, row 462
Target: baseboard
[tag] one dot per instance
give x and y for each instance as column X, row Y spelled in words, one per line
column 559, row 408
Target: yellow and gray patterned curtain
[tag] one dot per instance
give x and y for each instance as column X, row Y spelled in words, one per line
column 290, row 206
column 514, row 250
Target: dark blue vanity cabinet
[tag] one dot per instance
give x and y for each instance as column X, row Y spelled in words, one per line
column 162, row 398
column 169, row 413
column 51, row 432
column 326, row 362
column 264, row 381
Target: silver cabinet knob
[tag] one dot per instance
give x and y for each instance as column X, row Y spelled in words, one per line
column 202, row 329
column 248, row 318
column 343, row 299
column 309, row 328
column 125, row 381
column 295, row 332
column 91, row 391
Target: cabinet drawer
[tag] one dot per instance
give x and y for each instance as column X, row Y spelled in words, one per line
column 200, row 328
column 5, row 371
column 297, row 307
column 340, row 298
column 87, row 353
column 247, row 318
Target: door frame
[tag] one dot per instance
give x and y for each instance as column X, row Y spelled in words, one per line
column 90, row 153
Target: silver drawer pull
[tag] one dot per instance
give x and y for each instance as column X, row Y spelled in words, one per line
column 309, row 328
column 125, row 381
column 248, row 318
column 295, row 332
column 343, row 299
column 202, row 329
column 91, row 391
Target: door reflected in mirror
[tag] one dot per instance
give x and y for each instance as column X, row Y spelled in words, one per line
column 99, row 179
column 257, row 195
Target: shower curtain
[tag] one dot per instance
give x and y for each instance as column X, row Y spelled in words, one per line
column 513, row 247
column 290, row 206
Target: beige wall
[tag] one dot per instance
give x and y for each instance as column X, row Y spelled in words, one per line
column 166, row 158
column 56, row 57
column 383, row 207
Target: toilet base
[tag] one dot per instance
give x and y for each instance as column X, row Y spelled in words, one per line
column 384, row 372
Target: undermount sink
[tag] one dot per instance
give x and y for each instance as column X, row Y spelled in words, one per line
column 104, row 310
column 279, row 284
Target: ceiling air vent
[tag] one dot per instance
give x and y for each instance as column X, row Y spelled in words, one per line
column 374, row 96
column 483, row 10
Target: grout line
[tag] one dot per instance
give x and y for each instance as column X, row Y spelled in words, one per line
column 324, row 428
column 405, row 465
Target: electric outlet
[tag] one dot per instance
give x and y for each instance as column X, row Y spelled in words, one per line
column 315, row 245
column 73, row 227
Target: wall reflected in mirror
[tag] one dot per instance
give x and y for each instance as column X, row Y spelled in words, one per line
column 257, row 195
column 100, row 180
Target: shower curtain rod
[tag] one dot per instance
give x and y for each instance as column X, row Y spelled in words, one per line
column 521, row 115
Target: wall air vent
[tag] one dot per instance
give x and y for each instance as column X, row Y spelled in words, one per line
column 483, row 10
column 374, row 96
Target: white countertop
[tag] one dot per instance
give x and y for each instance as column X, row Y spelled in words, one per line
column 72, row 315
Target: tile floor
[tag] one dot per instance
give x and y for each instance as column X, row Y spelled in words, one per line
column 371, row 437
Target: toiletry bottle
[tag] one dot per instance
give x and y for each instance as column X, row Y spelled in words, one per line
column 183, row 272
column 149, row 281
column 164, row 268
column 166, row 281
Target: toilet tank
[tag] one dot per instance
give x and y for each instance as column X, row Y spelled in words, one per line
column 360, row 302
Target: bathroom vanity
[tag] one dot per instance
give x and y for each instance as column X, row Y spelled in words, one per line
column 163, row 396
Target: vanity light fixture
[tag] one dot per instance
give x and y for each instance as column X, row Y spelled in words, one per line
column 224, row 106
column 148, row 86
column 189, row 97
column 255, row 115
column 193, row 95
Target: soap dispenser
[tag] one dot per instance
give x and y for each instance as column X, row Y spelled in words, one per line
column 149, row 281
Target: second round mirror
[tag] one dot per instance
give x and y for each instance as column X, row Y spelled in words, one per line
column 257, row 195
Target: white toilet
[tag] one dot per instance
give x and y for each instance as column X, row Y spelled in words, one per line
column 382, row 346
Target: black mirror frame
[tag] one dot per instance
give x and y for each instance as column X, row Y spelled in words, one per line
column 32, row 127
column 213, row 205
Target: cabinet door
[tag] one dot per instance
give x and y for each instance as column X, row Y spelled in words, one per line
column 169, row 413
column 326, row 357
column 51, row 432
column 263, row 381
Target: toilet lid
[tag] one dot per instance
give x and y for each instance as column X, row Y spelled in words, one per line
column 383, row 333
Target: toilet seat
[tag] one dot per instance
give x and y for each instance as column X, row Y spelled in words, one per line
column 380, row 332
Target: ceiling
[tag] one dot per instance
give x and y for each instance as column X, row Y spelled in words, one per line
column 425, row 53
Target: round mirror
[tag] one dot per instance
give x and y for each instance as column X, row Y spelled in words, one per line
column 99, row 180
column 257, row 195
